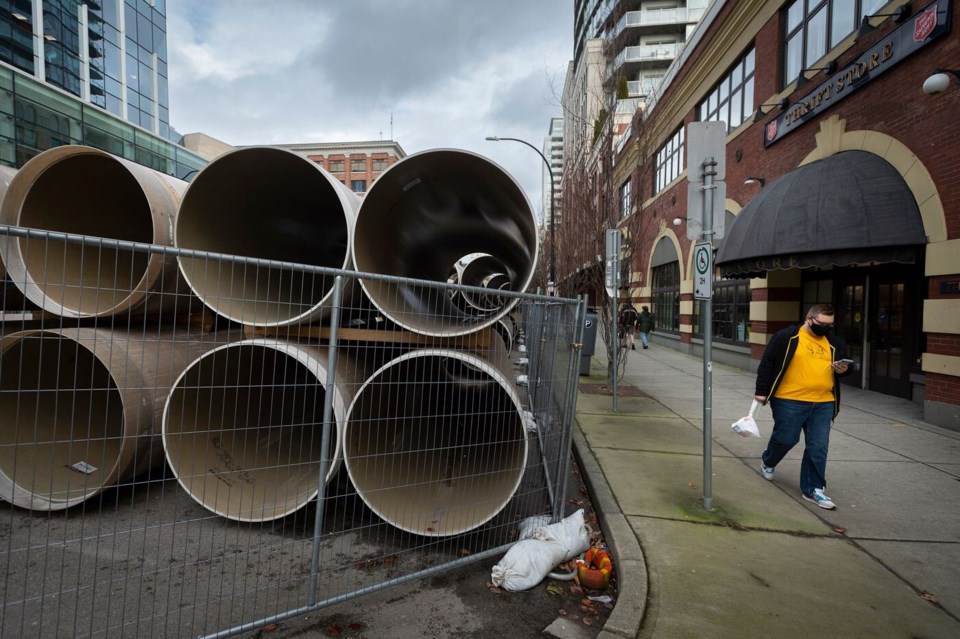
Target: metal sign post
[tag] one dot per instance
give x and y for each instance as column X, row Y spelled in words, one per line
column 612, row 283
column 706, row 151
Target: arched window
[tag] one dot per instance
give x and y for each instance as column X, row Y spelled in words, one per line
column 665, row 293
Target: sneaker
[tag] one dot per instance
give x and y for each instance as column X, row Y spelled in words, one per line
column 633, row 347
column 646, row 347
column 766, row 471
column 820, row 499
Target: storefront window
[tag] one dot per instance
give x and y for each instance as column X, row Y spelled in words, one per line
column 731, row 311
column 666, row 296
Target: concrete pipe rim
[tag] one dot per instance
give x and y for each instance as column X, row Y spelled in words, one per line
column 496, row 376
column 25, row 498
column 305, row 360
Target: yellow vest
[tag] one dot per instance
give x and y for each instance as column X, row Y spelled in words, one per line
column 809, row 377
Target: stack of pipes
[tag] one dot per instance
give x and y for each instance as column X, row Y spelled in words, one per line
column 432, row 437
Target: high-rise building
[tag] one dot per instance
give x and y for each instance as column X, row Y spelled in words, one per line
column 642, row 36
column 110, row 53
column 553, row 151
column 622, row 50
column 88, row 72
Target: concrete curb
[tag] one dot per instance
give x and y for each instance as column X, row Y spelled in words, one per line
column 629, row 564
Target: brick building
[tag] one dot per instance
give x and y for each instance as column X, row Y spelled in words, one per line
column 842, row 186
column 356, row 164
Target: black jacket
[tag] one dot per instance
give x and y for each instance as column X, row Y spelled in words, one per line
column 777, row 356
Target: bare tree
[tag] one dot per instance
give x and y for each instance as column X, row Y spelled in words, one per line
column 602, row 187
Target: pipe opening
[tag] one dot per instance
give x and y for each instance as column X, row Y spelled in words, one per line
column 429, row 211
column 91, row 195
column 63, row 422
column 270, row 204
column 242, row 430
column 435, row 443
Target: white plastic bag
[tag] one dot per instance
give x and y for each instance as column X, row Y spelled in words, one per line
column 747, row 426
column 530, row 560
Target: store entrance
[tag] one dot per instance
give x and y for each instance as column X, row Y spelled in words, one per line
column 876, row 320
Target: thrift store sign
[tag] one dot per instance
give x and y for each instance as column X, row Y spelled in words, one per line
column 929, row 24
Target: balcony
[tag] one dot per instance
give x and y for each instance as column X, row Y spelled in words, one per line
column 644, row 86
column 647, row 53
column 656, row 18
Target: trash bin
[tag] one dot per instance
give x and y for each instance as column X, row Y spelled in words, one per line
column 589, row 340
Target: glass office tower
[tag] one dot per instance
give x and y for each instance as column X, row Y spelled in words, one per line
column 88, row 72
column 110, row 53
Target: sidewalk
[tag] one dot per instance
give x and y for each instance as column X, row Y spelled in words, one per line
column 765, row 563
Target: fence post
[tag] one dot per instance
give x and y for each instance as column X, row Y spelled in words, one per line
column 573, row 374
column 325, row 441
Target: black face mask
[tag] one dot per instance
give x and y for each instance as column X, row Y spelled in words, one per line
column 819, row 329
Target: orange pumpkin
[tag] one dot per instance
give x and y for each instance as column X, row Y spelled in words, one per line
column 594, row 569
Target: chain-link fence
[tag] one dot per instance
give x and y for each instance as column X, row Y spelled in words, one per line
column 199, row 444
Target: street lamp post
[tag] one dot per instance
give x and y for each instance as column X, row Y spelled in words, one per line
column 551, row 284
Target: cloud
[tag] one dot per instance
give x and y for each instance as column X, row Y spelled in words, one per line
column 449, row 72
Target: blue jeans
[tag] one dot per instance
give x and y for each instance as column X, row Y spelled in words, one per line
column 645, row 338
column 814, row 419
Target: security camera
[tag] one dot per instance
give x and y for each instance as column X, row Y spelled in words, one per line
column 936, row 83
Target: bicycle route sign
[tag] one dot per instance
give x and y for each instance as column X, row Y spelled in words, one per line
column 702, row 266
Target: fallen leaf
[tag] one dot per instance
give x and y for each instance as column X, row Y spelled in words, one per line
column 270, row 627
column 431, row 529
column 494, row 589
column 562, row 613
column 575, row 589
column 585, row 601
column 690, row 484
column 465, row 552
column 587, row 621
column 839, row 529
column 333, row 630
column 390, row 560
column 928, row 596
column 554, row 588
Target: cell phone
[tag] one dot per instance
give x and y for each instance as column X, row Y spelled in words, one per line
column 844, row 361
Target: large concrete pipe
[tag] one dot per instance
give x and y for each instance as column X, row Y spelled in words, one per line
column 272, row 204
column 479, row 270
column 11, row 299
column 423, row 215
column 80, row 410
column 79, row 189
column 435, row 442
column 242, row 427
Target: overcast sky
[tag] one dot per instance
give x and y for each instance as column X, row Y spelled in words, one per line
column 450, row 72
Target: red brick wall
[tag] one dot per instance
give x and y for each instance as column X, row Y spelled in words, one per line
column 893, row 104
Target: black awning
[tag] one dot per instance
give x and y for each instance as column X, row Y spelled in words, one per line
column 850, row 208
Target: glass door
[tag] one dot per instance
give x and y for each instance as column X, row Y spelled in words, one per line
column 891, row 348
column 850, row 322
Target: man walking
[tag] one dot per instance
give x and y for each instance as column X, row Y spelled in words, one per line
column 628, row 322
column 799, row 375
column 645, row 325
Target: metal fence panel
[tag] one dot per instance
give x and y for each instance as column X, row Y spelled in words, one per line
column 175, row 463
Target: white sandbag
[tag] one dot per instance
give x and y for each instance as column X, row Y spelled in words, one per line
column 529, row 526
column 572, row 533
column 542, row 549
column 526, row 564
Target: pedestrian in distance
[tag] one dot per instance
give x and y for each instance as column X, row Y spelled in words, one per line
column 628, row 322
column 799, row 374
column 645, row 325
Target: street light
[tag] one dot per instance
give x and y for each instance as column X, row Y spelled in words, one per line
column 553, row 271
